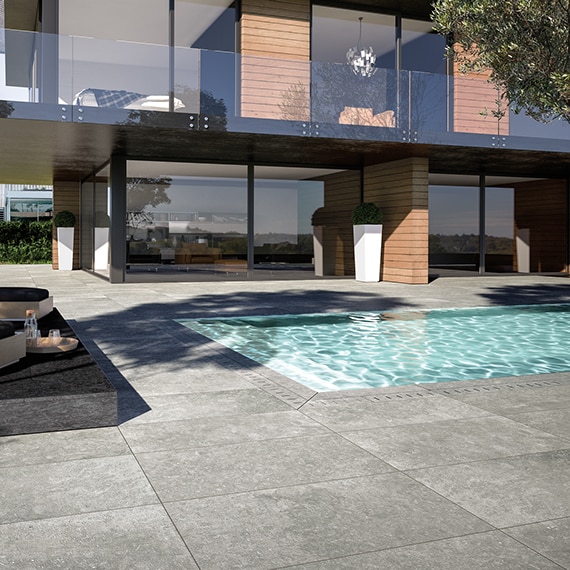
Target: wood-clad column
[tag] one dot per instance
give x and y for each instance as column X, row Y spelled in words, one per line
column 66, row 196
column 275, row 68
column 400, row 189
column 342, row 193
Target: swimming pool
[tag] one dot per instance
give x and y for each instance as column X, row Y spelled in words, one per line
column 340, row 351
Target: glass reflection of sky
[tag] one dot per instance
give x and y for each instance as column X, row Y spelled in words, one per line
column 455, row 210
column 282, row 206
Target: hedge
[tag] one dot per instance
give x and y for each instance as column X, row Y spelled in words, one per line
column 25, row 242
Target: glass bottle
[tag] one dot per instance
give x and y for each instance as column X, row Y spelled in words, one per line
column 31, row 326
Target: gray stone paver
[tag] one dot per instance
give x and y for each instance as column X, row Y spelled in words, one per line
column 220, row 464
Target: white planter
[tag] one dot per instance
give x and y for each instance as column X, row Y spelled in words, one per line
column 318, row 250
column 523, row 250
column 65, row 248
column 367, row 251
column 101, row 249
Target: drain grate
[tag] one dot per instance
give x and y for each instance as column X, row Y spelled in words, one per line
column 497, row 387
column 409, row 395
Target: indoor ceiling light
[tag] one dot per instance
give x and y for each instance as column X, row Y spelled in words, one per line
column 361, row 60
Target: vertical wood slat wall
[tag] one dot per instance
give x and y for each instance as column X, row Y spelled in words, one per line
column 275, row 59
column 66, row 196
column 540, row 206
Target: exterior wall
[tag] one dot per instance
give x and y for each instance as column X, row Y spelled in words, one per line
column 400, row 188
column 342, row 194
column 540, row 206
column 275, row 68
column 66, row 196
column 472, row 96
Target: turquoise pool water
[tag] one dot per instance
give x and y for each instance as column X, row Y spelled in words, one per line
column 369, row 350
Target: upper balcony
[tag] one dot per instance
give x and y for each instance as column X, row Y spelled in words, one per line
column 86, row 80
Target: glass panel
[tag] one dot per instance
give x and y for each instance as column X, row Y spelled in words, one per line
column 186, row 217
column 205, row 33
column 16, row 69
column 143, row 21
column 101, row 227
column 187, row 79
column 499, row 229
column 342, row 98
column 35, row 209
column 522, row 125
column 283, row 231
column 120, row 75
column 422, row 49
column 428, row 101
column 205, row 24
column 335, row 31
column 454, row 227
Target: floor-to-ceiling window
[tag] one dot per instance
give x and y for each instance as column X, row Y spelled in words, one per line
column 406, row 86
column 458, row 209
column 424, row 68
column 204, row 56
column 454, row 227
column 499, row 229
column 127, row 55
column 186, row 217
column 283, row 235
column 206, row 221
column 95, row 223
column 338, row 95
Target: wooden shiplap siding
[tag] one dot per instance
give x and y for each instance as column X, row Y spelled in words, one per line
column 400, row 188
column 540, row 206
column 66, row 197
column 342, row 194
column 275, row 53
column 474, row 99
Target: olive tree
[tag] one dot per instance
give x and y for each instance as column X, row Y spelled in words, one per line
column 525, row 44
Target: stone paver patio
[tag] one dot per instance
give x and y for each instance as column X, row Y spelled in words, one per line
column 219, row 463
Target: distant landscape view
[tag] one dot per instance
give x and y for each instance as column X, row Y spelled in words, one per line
column 469, row 243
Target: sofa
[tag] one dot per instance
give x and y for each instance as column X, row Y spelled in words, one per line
column 189, row 253
column 12, row 345
column 364, row 116
column 15, row 301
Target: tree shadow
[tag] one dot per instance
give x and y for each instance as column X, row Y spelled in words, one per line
column 528, row 294
column 146, row 341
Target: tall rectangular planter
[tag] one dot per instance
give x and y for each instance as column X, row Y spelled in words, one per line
column 367, row 251
column 318, row 250
column 101, row 247
column 65, row 248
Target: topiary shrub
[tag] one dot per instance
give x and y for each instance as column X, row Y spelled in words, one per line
column 366, row 213
column 64, row 219
column 102, row 219
column 318, row 217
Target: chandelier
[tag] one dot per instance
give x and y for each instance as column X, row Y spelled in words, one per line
column 361, row 60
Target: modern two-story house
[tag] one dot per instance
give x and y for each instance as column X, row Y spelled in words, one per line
column 208, row 132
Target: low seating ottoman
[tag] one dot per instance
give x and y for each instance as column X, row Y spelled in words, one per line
column 15, row 301
column 12, row 346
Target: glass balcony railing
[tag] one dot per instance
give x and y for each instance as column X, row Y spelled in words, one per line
column 78, row 79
